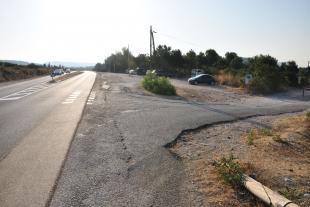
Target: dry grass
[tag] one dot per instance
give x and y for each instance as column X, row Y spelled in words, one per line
column 281, row 165
column 281, row 155
column 228, row 79
column 21, row 72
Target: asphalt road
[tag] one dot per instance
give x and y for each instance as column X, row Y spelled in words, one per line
column 118, row 158
column 38, row 121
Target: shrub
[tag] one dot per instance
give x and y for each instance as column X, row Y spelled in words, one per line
column 158, row 85
column 230, row 171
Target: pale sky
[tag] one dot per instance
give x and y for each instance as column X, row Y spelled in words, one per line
column 90, row 30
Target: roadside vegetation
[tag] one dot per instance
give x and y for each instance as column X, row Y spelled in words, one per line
column 158, row 85
column 230, row 171
column 10, row 71
column 65, row 77
column 278, row 158
column 268, row 74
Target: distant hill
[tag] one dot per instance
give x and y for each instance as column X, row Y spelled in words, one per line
column 72, row 64
column 17, row 62
column 66, row 64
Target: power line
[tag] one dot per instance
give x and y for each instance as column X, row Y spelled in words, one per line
column 178, row 39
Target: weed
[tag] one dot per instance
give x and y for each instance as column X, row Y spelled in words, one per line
column 230, row 171
column 277, row 138
column 308, row 116
column 266, row 132
column 291, row 193
column 250, row 137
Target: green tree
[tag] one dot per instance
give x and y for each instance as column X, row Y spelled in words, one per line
column 190, row 59
column 211, row 57
column 290, row 71
column 142, row 61
column 267, row 77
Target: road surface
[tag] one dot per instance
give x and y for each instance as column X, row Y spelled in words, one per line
column 38, row 121
column 118, row 158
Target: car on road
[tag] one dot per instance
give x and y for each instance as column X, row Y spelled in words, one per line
column 57, row 72
column 68, row 70
column 202, row 79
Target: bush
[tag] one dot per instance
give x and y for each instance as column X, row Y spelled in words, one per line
column 158, row 85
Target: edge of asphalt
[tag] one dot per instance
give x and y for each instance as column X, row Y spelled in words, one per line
column 30, row 161
column 52, row 192
column 233, row 119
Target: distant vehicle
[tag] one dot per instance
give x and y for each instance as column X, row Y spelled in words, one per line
column 202, row 79
column 57, row 72
column 140, row 71
column 68, row 70
column 132, row 72
column 161, row 72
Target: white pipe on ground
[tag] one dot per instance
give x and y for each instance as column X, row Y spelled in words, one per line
column 266, row 195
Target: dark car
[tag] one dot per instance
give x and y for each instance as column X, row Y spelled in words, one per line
column 140, row 71
column 202, row 79
column 164, row 73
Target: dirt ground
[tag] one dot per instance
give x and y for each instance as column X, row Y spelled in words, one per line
column 277, row 157
column 208, row 94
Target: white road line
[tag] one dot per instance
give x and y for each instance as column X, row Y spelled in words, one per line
column 91, row 98
column 24, row 93
column 72, row 97
column 67, row 102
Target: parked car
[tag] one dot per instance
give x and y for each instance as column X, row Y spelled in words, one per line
column 160, row 72
column 202, row 79
column 132, row 72
column 140, row 71
column 68, row 70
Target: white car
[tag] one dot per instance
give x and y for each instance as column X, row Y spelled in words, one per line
column 132, row 72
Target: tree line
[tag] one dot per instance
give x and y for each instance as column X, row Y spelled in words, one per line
column 268, row 73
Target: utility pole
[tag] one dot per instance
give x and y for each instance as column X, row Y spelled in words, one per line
column 128, row 58
column 152, row 45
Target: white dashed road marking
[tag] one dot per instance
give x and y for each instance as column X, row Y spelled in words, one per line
column 25, row 92
column 91, row 98
column 72, row 97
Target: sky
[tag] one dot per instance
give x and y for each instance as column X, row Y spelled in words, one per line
column 90, row 30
